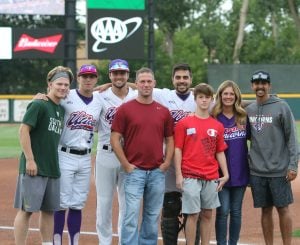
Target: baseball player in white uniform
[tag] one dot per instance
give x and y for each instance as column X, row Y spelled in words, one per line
column 180, row 103
column 82, row 111
column 108, row 174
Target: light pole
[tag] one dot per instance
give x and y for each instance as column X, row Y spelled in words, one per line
column 70, row 37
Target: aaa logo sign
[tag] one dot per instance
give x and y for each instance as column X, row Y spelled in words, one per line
column 115, row 34
column 110, row 30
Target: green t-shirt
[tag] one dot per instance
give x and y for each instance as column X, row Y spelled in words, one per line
column 46, row 120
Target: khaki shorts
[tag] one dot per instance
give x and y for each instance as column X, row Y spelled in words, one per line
column 37, row 193
column 199, row 194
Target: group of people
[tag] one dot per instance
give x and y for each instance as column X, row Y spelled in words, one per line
column 179, row 153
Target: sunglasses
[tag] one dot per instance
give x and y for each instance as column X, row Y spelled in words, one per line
column 88, row 69
column 260, row 76
column 118, row 66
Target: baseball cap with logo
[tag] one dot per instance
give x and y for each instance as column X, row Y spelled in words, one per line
column 88, row 69
column 261, row 76
column 118, row 64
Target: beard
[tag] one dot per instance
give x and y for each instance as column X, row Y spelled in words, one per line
column 119, row 85
column 182, row 89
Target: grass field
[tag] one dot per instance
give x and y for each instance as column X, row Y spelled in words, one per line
column 9, row 144
column 9, row 141
column 10, row 147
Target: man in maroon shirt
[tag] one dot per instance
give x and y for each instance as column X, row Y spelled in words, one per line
column 143, row 125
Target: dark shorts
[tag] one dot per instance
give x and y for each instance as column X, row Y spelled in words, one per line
column 37, row 193
column 271, row 191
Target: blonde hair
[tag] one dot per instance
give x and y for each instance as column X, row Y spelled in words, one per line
column 60, row 69
column 143, row 70
column 239, row 112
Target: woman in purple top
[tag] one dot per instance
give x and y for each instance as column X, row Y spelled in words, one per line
column 229, row 112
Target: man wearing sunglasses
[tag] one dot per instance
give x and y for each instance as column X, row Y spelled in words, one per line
column 273, row 157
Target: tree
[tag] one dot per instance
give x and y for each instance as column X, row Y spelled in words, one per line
column 188, row 48
column 240, row 34
column 295, row 14
column 171, row 15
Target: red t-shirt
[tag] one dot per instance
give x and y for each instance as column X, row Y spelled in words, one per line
column 143, row 127
column 200, row 140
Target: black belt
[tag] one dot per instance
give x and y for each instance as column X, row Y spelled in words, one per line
column 74, row 151
column 107, row 148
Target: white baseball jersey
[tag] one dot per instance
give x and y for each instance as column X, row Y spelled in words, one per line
column 179, row 109
column 80, row 121
column 110, row 103
column 108, row 172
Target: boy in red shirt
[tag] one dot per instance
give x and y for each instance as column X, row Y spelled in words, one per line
column 199, row 152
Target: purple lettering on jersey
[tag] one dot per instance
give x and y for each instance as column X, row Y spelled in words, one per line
column 110, row 114
column 177, row 115
column 81, row 120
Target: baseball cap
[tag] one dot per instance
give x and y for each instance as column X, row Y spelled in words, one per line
column 118, row 64
column 261, row 76
column 88, row 69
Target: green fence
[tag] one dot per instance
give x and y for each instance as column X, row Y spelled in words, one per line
column 13, row 107
column 292, row 99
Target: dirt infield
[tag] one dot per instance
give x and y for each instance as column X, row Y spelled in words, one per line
column 250, row 234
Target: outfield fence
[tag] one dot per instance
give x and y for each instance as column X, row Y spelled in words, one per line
column 13, row 107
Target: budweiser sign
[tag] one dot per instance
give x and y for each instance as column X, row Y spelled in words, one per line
column 45, row 44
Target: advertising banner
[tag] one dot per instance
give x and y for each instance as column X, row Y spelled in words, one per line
column 32, row 7
column 4, row 110
column 115, row 33
column 20, row 107
column 5, row 43
column 38, row 43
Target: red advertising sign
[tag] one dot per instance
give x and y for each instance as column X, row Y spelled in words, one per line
column 38, row 43
column 46, row 44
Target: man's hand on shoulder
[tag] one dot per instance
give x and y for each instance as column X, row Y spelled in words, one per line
column 40, row 96
column 103, row 87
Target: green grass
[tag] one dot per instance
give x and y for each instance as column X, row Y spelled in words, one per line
column 9, row 141
column 296, row 233
column 10, row 147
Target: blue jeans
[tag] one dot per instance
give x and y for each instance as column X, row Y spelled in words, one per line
column 231, row 199
column 148, row 185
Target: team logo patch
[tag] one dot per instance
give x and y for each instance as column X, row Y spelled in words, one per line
column 212, row 132
column 260, row 122
column 110, row 114
column 81, row 120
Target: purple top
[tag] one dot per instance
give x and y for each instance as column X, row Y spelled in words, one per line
column 237, row 151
